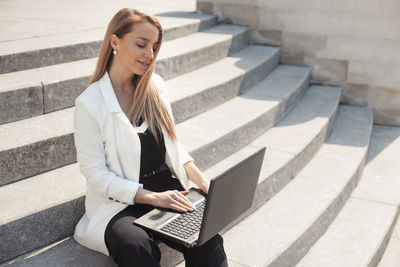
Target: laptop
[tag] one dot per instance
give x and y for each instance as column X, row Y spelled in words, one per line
column 229, row 196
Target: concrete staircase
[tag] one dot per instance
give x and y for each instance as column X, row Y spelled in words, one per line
column 229, row 98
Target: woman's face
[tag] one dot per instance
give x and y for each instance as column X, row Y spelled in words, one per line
column 136, row 49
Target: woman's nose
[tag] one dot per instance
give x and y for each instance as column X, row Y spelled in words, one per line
column 149, row 53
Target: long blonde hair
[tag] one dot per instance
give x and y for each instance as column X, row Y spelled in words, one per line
column 146, row 101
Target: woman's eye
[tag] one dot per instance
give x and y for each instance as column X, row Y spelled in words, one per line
column 141, row 46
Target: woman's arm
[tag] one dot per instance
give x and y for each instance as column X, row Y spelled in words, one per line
column 92, row 162
column 196, row 176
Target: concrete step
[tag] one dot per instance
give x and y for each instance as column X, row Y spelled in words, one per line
column 47, row 50
column 391, row 256
column 192, row 94
column 45, row 210
column 291, row 144
column 250, row 115
column 199, row 49
column 68, row 252
column 306, row 125
column 285, row 228
column 19, row 150
column 28, row 93
column 361, row 231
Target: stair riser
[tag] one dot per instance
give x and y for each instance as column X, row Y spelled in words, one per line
column 39, row 229
column 207, row 99
column 19, row 104
column 312, row 148
column 217, row 150
column 174, row 66
column 57, row 55
column 62, row 94
column 49, row 56
column 36, row 158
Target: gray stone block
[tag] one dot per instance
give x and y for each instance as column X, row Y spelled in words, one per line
column 20, row 104
column 38, row 229
column 36, row 158
column 48, row 56
column 62, row 94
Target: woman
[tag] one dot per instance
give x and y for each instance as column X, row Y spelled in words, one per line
column 127, row 149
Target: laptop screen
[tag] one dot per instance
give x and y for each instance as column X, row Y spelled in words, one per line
column 230, row 195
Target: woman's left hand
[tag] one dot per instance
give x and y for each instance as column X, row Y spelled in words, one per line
column 196, row 176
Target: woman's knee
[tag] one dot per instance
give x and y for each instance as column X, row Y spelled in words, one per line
column 137, row 248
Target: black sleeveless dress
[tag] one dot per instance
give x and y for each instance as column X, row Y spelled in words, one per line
column 151, row 157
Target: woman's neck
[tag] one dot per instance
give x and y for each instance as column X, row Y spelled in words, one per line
column 121, row 80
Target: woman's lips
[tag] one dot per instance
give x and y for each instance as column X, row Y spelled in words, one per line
column 144, row 64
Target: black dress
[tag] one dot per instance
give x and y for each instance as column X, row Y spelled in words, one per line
column 130, row 245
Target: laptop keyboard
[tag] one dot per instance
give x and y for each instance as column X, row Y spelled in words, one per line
column 185, row 225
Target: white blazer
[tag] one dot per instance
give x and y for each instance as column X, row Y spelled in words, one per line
column 108, row 153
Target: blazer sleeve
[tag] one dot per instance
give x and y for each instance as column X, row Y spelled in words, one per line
column 92, row 159
column 162, row 90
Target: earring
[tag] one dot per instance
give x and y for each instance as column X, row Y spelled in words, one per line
column 115, row 52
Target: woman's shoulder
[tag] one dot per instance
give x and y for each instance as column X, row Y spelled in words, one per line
column 90, row 95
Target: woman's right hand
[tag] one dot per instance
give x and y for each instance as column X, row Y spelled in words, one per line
column 173, row 199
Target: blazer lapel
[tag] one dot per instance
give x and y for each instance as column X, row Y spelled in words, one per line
column 125, row 134
column 111, row 100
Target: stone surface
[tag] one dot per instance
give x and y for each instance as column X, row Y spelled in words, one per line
column 355, row 237
column 24, row 153
column 285, row 234
column 68, row 252
column 277, row 167
column 63, row 82
column 262, row 112
column 344, row 42
column 391, row 257
column 44, row 148
column 254, row 101
column 21, row 104
column 291, row 143
column 199, row 49
column 53, row 40
column 383, row 100
column 202, row 89
column 381, row 176
column 62, row 94
column 360, row 233
column 375, row 73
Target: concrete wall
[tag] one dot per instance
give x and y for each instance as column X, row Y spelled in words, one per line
column 354, row 44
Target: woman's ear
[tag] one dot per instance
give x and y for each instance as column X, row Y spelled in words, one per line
column 114, row 41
